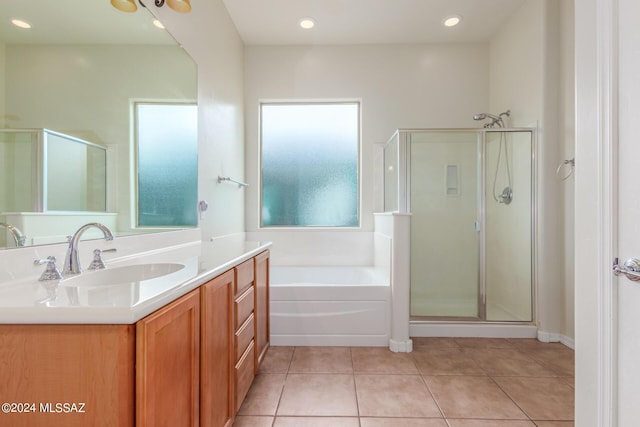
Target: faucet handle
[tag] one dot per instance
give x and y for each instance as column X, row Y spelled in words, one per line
column 51, row 272
column 98, row 263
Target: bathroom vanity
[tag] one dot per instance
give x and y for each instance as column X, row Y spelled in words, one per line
column 185, row 355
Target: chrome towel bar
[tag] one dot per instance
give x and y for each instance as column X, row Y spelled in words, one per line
column 226, row 178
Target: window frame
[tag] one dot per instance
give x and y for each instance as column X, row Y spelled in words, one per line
column 300, row 102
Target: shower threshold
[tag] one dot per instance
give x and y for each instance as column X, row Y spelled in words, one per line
column 470, row 327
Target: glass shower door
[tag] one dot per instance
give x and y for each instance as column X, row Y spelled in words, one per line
column 508, row 201
column 444, row 204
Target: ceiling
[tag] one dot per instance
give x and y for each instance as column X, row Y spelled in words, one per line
column 266, row 22
column 275, row 22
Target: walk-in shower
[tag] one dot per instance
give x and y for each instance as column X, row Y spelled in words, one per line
column 470, row 193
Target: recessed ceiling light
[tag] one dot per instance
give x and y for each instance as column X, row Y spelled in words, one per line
column 307, row 23
column 452, row 20
column 20, row 23
column 158, row 24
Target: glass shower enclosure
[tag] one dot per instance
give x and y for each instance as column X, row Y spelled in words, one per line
column 470, row 193
column 44, row 171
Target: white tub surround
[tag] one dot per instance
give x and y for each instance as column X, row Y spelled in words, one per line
column 397, row 227
column 330, row 306
column 25, row 299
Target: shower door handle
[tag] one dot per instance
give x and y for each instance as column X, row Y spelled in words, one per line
column 476, row 226
column 630, row 268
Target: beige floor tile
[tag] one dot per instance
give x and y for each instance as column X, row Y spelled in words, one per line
column 321, row 360
column 490, row 423
column 484, row 343
column 445, row 361
column 252, row 421
column 403, row 422
column 381, row 360
column 472, row 397
column 394, row 396
column 534, row 343
column 507, row 362
column 316, row 422
column 559, row 360
column 571, row 381
column 540, row 398
column 277, row 360
column 264, row 395
column 420, row 343
column 318, row 395
column 555, row 423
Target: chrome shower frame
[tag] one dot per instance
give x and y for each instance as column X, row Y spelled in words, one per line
column 404, row 206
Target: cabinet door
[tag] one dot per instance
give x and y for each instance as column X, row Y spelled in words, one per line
column 85, row 371
column 216, row 371
column 168, row 365
column 261, row 306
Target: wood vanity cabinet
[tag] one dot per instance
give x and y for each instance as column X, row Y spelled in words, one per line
column 244, row 327
column 44, row 367
column 262, row 330
column 168, row 364
column 190, row 363
column 216, row 362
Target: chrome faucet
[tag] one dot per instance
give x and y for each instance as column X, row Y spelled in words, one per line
column 18, row 237
column 72, row 259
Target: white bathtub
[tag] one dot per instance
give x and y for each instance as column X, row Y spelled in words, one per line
column 330, row 306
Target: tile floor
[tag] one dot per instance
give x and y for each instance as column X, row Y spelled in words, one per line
column 445, row 382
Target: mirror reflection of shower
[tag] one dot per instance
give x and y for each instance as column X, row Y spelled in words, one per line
column 506, row 195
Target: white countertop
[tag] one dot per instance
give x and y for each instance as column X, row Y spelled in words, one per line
column 28, row 300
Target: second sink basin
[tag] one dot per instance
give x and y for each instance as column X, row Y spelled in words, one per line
column 125, row 275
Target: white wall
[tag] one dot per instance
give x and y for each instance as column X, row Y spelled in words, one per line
column 2, row 85
column 567, row 135
column 530, row 77
column 209, row 36
column 399, row 85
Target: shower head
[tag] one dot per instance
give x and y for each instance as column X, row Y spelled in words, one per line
column 494, row 119
column 483, row 116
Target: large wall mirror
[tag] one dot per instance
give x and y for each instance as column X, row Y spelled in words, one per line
column 81, row 70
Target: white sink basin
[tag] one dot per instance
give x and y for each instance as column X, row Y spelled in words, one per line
column 126, row 275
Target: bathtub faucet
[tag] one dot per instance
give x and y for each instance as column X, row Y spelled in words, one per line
column 72, row 259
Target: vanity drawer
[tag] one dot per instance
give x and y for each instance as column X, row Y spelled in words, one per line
column 244, row 307
column 244, row 336
column 244, row 375
column 244, row 276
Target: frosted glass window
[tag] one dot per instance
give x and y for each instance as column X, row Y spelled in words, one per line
column 167, row 143
column 310, row 164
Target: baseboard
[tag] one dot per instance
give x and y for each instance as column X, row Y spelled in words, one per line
column 556, row 337
column 401, row 346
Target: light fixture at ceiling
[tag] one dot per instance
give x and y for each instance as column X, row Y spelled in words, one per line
column 130, row 5
column 125, row 5
column 307, row 23
column 20, row 23
column 452, row 20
